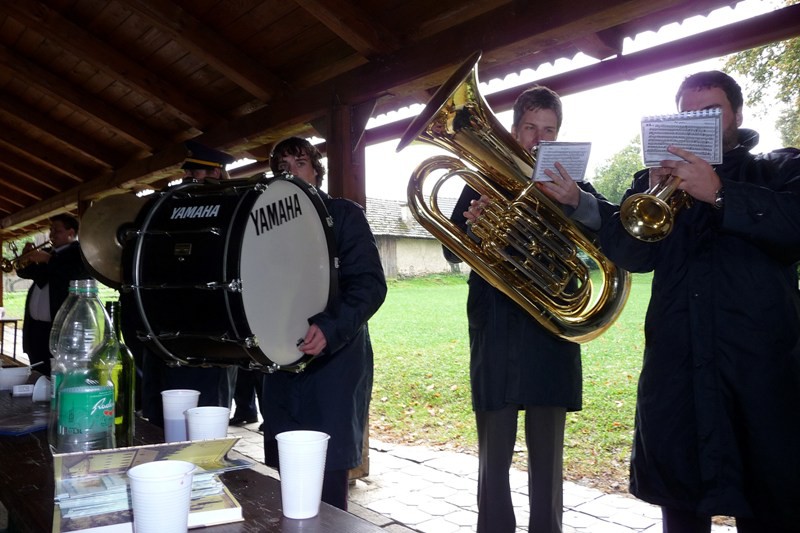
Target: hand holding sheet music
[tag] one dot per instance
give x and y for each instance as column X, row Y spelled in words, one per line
column 699, row 132
column 573, row 156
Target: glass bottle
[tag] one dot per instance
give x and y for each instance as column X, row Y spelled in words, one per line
column 85, row 355
column 124, row 378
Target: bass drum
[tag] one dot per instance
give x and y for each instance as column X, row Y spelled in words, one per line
column 229, row 273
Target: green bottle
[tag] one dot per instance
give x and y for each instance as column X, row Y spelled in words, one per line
column 124, row 377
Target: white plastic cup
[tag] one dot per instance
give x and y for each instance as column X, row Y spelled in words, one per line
column 207, row 422
column 161, row 492
column 301, row 455
column 176, row 402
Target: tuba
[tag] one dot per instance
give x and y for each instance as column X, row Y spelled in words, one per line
column 526, row 247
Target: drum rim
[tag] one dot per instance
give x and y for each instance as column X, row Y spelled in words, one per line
column 258, row 358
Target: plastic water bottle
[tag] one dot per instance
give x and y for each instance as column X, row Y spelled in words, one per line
column 58, row 321
column 124, row 378
column 56, row 370
column 85, row 355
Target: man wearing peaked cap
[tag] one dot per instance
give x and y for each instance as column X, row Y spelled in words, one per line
column 216, row 384
column 203, row 162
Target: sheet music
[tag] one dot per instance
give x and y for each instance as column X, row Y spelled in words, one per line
column 700, row 132
column 573, row 156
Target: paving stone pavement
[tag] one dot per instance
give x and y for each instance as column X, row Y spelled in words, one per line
column 418, row 490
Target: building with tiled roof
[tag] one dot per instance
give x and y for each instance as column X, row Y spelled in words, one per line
column 406, row 248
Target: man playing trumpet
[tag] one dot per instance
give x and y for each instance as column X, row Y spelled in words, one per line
column 51, row 273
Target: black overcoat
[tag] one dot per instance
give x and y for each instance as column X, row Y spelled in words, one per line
column 513, row 359
column 332, row 394
column 64, row 266
column 717, row 425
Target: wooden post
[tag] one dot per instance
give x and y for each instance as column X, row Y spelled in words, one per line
column 343, row 130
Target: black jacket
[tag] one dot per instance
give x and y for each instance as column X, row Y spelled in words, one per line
column 513, row 359
column 64, row 266
column 332, row 394
column 717, row 426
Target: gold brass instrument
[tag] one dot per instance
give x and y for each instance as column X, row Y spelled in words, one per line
column 527, row 248
column 650, row 216
column 9, row 265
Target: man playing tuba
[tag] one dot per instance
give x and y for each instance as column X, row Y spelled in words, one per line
column 515, row 363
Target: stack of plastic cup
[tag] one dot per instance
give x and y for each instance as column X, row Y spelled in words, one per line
column 176, row 402
column 301, row 455
column 161, row 492
column 207, row 422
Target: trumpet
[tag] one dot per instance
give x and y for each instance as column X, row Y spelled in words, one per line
column 19, row 261
column 650, row 216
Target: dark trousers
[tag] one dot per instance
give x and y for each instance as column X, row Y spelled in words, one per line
column 544, row 436
column 680, row 521
column 36, row 342
column 248, row 386
column 214, row 383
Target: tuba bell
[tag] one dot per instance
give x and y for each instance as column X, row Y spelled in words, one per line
column 526, row 248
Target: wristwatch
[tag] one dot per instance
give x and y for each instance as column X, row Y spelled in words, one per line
column 719, row 198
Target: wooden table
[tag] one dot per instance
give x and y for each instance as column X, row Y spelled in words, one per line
column 3, row 322
column 27, row 489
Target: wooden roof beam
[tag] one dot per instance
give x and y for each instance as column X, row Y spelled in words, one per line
column 83, row 44
column 354, row 26
column 203, row 41
column 31, row 173
column 601, row 45
column 80, row 100
column 57, row 131
column 46, row 156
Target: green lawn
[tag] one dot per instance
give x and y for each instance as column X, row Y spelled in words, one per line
column 421, row 392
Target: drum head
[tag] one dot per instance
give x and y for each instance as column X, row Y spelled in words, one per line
column 286, row 267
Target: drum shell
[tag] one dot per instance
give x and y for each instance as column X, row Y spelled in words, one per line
column 185, row 267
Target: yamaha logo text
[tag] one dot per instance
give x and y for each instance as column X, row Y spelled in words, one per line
column 276, row 213
column 195, row 211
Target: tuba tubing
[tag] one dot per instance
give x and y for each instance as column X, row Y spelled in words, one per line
column 525, row 246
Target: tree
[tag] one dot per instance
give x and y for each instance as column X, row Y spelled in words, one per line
column 614, row 177
column 773, row 72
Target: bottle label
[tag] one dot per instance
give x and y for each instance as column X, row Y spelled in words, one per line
column 84, row 410
column 56, row 377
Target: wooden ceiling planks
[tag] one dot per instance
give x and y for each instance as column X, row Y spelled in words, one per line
column 101, row 93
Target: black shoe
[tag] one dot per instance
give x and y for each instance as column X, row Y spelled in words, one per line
column 261, row 427
column 242, row 420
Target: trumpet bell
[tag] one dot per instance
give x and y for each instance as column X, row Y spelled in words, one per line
column 647, row 217
column 650, row 216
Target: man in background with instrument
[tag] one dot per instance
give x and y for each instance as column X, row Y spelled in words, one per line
column 515, row 364
column 216, row 384
column 717, row 427
column 333, row 393
column 51, row 272
column 201, row 164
